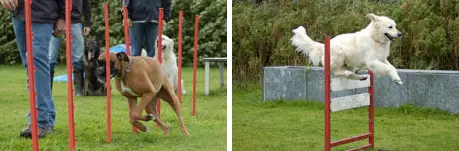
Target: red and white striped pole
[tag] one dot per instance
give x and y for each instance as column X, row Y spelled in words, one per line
column 195, row 62
column 107, row 75
column 31, row 74
column 68, row 48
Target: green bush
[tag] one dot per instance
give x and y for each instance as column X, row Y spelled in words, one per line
column 212, row 29
column 261, row 34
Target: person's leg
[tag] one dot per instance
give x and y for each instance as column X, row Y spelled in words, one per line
column 150, row 40
column 40, row 45
column 54, row 45
column 77, row 57
column 19, row 31
column 136, row 34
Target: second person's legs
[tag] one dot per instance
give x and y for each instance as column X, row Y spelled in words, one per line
column 54, row 45
column 77, row 58
column 136, row 34
column 151, row 29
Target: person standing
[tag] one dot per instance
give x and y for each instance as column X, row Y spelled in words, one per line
column 79, row 7
column 45, row 14
column 143, row 22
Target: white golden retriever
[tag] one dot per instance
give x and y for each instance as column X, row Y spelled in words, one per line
column 364, row 49
column 169, row 62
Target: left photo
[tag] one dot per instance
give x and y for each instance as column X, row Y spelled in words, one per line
column 118, row 75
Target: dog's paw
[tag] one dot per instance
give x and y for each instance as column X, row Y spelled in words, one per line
column 399, row 82
column 147, row 129
column 166, row 131
column 362, row 77
column 149, row 117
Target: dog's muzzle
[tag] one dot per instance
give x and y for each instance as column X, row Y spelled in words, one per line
column 101, row 72
column 391, row 38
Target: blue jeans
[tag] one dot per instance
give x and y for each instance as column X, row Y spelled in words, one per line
column 77, row 48
column 40, row 42
column 140, row 32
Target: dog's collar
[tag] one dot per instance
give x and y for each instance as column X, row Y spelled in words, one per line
column 128, row 68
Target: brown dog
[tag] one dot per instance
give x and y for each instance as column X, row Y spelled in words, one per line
column 141, row 77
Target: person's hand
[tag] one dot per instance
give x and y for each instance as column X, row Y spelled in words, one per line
column 129, row 22
column 9, row 4
column 164, row 23
column 86, row 30
column 59, row 28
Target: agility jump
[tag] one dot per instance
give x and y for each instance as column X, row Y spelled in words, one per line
column 71, row 124
column 346, row 102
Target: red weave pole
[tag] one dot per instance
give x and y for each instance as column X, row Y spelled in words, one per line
column 126, row 31
column 68, row 49
column 160, row 49
column 107, row 75
column 179, row 82
column 371, row 108
column 195, row 62
column 31, row 74
column 327, row 93
column 128, row 47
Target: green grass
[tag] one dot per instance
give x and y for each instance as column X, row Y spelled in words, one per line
column 298, row 125
column 208, row 128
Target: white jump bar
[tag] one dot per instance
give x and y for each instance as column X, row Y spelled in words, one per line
column 341, row 83
column 349, row 102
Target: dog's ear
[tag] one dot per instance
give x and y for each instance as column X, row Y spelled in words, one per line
column 373, row 17
column 122, row 56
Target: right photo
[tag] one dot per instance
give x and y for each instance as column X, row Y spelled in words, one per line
column 315, row 75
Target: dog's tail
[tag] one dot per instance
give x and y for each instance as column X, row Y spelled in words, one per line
column 307, row 46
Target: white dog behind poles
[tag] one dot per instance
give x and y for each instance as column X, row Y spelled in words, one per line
column 169, row 61
column 365, row 49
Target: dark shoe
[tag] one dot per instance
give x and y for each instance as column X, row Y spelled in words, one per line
column 52, row 79
column 78, row 82
column 27, row 132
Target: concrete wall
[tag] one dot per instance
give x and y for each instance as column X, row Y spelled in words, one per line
column 425, row 88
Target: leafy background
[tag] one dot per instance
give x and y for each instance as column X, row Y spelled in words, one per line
column 212, row 29
column 261, row 32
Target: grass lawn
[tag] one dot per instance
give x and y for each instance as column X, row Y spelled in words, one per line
column 298, row 125
column 208, row 128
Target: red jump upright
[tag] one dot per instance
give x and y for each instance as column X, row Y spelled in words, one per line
column 327, row 109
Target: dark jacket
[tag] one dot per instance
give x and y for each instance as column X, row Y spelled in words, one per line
column 148, row 10
column 51, row 12
column 79, row 8
column 43, row 11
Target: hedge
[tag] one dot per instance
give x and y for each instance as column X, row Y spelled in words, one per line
column 261, row 34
